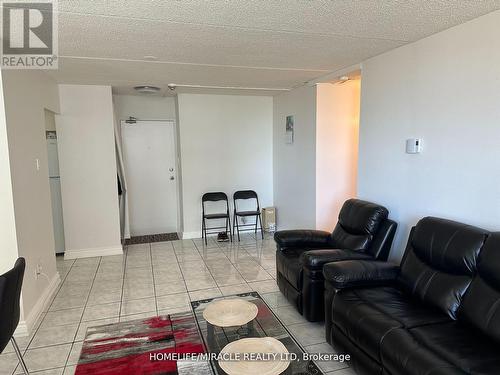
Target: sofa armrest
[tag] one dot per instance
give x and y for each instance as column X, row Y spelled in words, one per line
column 359, row 273
column 302, row 238
column 316, row 259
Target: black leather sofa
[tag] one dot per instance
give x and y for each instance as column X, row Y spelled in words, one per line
column 437, row 313
column 363, row 231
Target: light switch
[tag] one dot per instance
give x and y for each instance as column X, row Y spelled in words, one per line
column 37, row 162
column 413, row 146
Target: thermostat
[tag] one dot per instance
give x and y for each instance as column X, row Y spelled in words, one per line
column 413, row 146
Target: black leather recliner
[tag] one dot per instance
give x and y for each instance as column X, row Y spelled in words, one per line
column 362, row 232
column 437, row 313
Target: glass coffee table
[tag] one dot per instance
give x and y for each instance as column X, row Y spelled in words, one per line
column 266, row 324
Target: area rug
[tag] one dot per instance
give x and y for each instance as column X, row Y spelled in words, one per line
column 128, row 348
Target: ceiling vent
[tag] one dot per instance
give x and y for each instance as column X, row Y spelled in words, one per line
column 147, row 89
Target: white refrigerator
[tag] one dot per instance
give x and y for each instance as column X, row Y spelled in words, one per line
column 55, row 192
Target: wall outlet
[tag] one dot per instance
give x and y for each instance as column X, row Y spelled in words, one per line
column 38, row 270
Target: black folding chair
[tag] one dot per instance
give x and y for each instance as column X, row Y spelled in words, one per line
column 244, row 195
column 11, row 283
column 214, row 197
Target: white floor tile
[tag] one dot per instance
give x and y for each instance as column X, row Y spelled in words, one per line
column 308, row 333
column 74, row 354
column 63, row 317
column 8, row 363
column 157, row 278
column 47, row 358
column 46, row 336
column 205, row 294
column 108, row 310
column 138, row 306
column 235, row 289
column 172, row 301
column 263, row 287
column 327, row 366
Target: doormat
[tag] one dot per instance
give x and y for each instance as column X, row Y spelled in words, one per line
column 161, row 237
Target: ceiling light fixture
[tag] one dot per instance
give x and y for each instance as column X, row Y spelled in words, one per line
column 343, row 79
column 146, row 89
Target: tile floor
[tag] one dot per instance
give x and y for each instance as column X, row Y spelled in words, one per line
column 149, row 279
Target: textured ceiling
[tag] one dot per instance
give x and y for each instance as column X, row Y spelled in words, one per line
column 239, row 43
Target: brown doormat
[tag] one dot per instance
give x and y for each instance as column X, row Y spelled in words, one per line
column 151, row 238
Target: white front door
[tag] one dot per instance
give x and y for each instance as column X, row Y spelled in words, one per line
column 151, row 170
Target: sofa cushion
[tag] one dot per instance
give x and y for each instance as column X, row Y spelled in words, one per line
column 453, row 346
column 402, row 353
column 481, row 302
column 440, row 261
column 366, row 315
column 289, row 265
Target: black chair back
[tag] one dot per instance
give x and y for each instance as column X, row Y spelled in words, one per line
column 11, row 283
column 214, row 197
column 359, row 224
column 245, row 194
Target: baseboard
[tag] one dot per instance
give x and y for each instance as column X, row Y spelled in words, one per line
column 26, row 326
column 191, row 235
column 93, row 252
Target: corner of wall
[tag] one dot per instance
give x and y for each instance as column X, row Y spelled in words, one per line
column 30, row 320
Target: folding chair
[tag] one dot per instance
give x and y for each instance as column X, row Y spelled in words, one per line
column 214, row 197
column 244, row 195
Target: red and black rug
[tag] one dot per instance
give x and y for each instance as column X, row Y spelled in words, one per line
column 132, row 347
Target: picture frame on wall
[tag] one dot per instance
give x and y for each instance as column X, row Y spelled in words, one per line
column 290, row 122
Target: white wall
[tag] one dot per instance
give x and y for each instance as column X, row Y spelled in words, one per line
column 87, row 162
column 445, row 90
column 8, row 238
column 337, row 126
column 27, row 94
column 226, row 145
column 294, row 165
column 144, row 107
column 50, row 120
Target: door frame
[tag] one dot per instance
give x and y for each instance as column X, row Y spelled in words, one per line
column 178, row 171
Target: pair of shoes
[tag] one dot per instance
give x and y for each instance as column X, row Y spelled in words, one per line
column 222, row 237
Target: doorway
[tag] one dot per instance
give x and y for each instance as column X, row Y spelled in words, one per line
column 150, row 161
column 54, row 182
